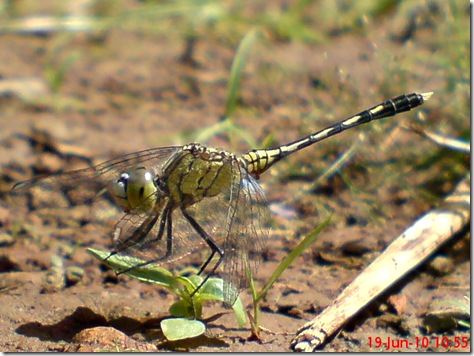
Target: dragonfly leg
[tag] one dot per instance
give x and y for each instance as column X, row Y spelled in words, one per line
column 212, row 245
column 143, row 231
column 204, row 265
column 138, row 235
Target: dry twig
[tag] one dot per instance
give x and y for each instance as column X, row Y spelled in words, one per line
column 410, row 249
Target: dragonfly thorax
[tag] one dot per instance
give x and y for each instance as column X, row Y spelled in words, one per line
column 199, row 172
column 135, row 189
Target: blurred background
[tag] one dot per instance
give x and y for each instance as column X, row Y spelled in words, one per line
column 83, row 81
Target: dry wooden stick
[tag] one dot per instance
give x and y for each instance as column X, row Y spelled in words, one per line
column 411, row 248
column 440, row 140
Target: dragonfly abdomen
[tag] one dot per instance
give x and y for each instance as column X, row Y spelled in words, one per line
column 258, row 161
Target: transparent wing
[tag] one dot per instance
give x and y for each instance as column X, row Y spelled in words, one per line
column 247, row 234
column 159, row 236
column 82, row 187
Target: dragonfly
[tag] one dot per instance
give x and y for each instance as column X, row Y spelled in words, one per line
column 176, row 200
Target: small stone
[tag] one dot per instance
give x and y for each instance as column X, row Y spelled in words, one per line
column 74, row 275
column 107, row 339
column 441, row 265
column 6, row 239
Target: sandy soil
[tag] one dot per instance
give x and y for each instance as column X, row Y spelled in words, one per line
column 129, row 90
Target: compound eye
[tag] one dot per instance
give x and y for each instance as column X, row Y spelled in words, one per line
column 124, row 176
column 141, row 189
column 119, row 190
column 120, row 186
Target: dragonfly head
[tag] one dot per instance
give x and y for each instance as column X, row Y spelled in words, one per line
column 135, row 189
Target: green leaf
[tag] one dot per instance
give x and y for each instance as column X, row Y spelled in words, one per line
column 213, row 289
column 240, row 313
column 180, row 328
column 181, row 309
column 149, row 273
column 182, row 286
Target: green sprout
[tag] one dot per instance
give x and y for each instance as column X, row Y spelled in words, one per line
column 187, row 311
column 282, row 267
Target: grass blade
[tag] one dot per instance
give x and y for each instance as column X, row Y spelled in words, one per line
column 240, row 58
column 307, row 241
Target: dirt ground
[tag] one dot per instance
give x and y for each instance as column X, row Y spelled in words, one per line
column 127, row 89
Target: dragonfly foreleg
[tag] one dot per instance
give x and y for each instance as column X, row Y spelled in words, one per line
column 165, row 220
